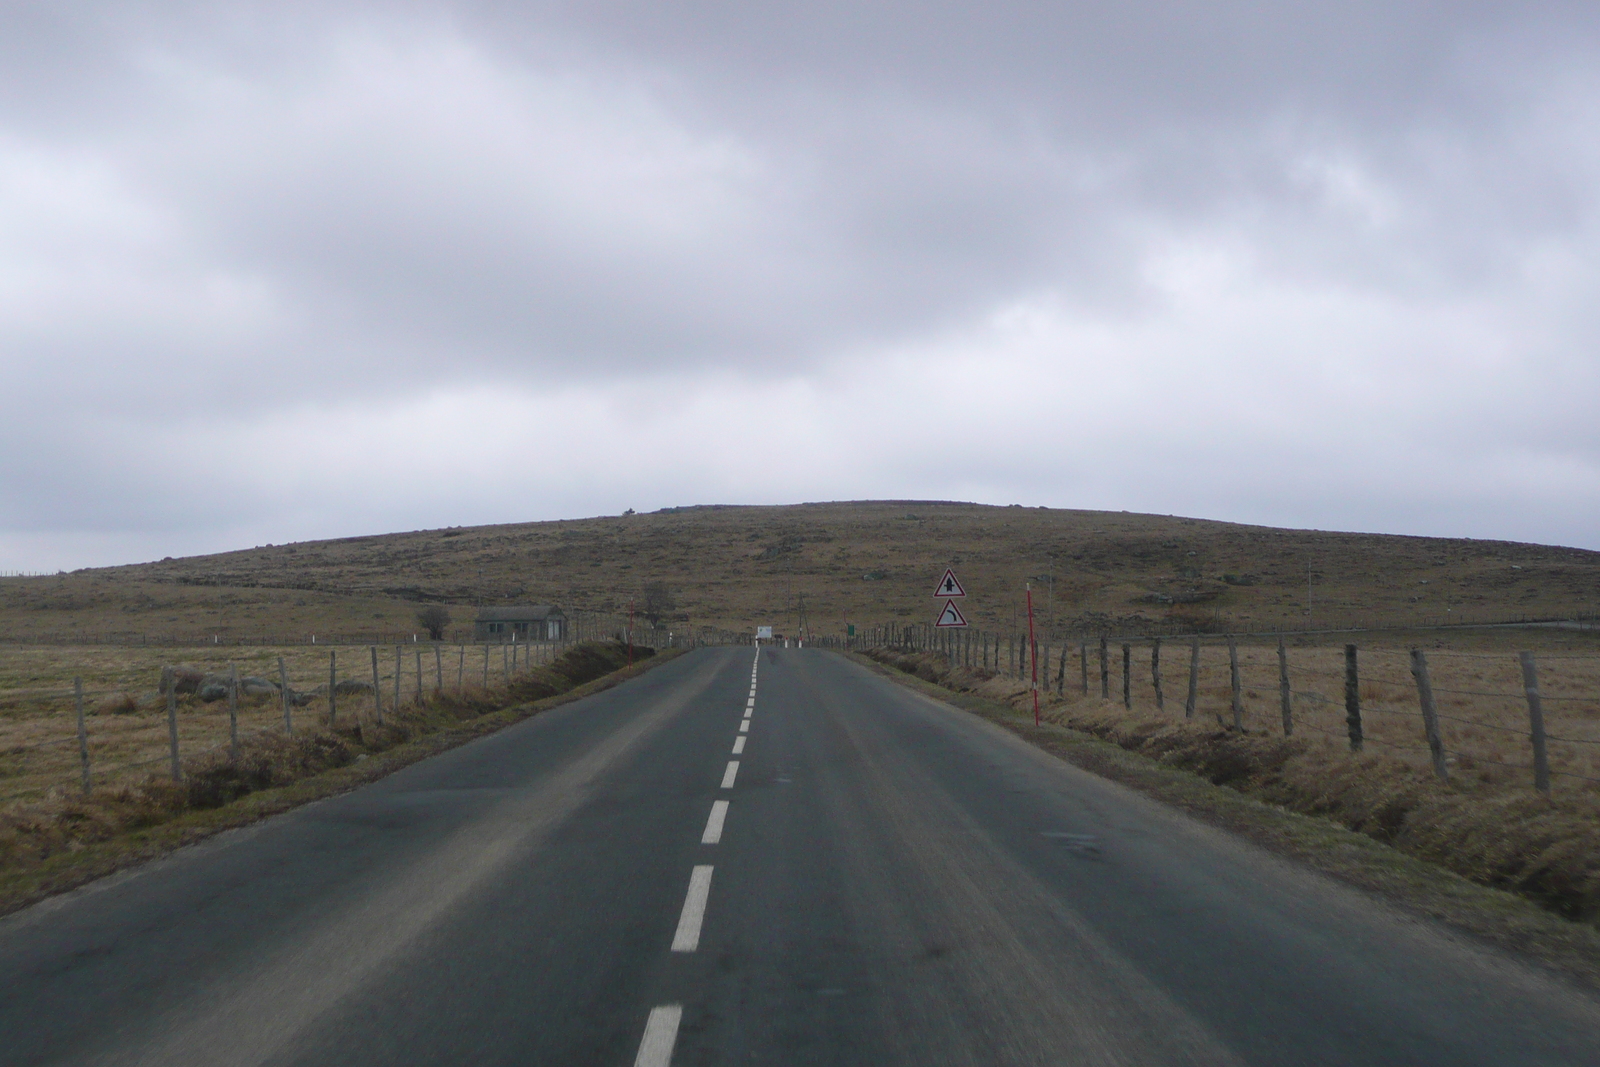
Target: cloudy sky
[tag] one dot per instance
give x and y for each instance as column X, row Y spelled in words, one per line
column 273, row 272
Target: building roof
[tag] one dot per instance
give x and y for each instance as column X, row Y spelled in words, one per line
column 521, row 613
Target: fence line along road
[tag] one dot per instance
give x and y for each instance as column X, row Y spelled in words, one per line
column 1452, row 712
column 94, row 736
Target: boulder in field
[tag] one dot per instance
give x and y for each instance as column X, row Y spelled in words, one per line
column 181, row 679
column 258, row 687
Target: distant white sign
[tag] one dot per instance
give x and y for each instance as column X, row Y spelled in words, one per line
column 763, row 633
column 949, row 586
column 951, row 617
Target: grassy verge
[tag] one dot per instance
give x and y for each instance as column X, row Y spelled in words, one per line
column 1251, row 786
column 48, row 848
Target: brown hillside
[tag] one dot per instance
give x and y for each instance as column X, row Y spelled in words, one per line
column 735, row 567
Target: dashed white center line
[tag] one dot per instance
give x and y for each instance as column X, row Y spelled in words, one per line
column 744, row 727
column 750, row 703
column 730, row 774
column 687, row 939
column 738, row 744
column 719, row 815
column 660, row 1034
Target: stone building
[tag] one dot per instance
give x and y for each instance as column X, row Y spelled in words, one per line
column 526, row 622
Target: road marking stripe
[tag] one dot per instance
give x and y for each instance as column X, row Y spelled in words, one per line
column 687, row 939
column 730, row 774
column 744, row 727
column 750, row 703
column 719, row 814
column 747, row 712
column 738, row 744
column 660, row 1034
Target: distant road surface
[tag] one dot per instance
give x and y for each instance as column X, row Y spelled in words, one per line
column 880, row 880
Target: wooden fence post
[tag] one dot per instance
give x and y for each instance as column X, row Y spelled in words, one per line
column 461, row 670
column 233, row 712
column 1285, row 693
column 1530, row 688
column 1127, row 676
column 172, row 729
column 486, row 664
column 1352, row 698
column 1194, row 679
column 1083, row 664
column 1237, row 702
column 377, row 688
column 1061, row 672
column 1105, row 670
column 1155, row 674
column 1430, row 714
column 83, row 734
column 333, row 687
column 283, row 691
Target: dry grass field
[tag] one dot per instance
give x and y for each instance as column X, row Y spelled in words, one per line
column 1476, row 679
column 126, row 714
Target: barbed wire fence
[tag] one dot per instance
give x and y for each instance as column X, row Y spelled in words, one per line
column 1534, row 715
column 95, row 736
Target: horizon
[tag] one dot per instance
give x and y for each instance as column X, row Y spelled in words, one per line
column 680, row 508
column 275, row 273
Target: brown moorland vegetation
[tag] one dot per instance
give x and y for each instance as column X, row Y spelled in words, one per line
column 738, row 567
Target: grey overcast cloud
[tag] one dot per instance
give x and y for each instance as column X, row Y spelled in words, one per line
column 273, row 272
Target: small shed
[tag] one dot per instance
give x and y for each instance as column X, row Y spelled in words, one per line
column 526, row 622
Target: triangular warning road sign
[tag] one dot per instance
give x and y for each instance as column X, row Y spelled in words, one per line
column 949, row 586
column 951, row 616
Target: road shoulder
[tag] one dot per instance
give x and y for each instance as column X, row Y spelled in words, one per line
column 23, row 886
column 1503, row 921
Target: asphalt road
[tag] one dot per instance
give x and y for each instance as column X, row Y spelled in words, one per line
column 894, row 882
